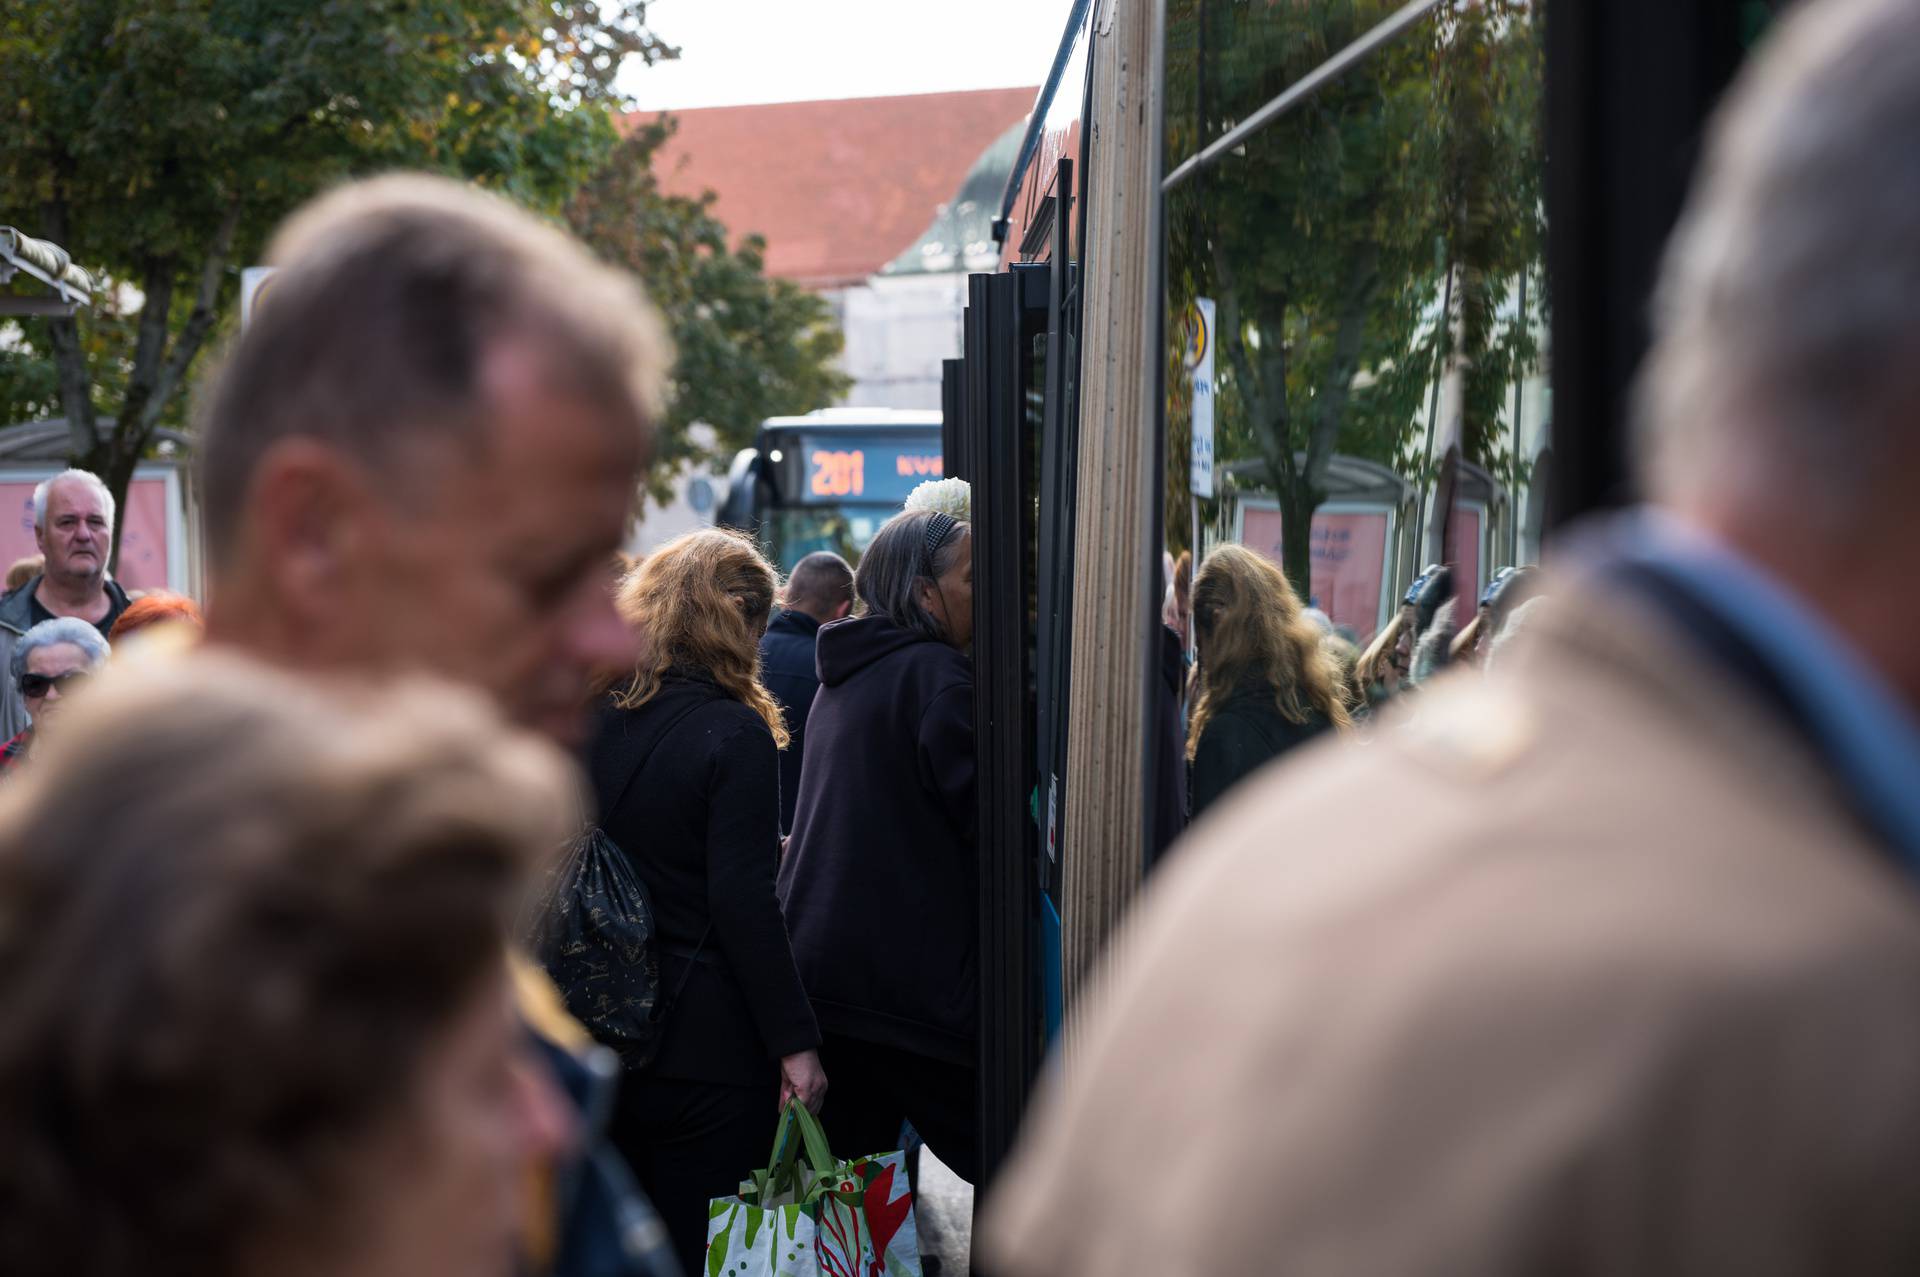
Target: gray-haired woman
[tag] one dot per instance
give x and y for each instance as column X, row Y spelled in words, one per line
column 45, row 665
column 879, row 880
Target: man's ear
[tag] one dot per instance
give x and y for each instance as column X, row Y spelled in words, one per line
column 308, row 516
column 842, row 612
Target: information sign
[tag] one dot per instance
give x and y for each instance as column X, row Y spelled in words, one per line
column 1200, row 360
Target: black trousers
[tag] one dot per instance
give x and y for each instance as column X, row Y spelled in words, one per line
column 872, row 1089
column 690, row 1142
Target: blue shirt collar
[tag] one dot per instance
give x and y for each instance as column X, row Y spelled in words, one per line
column 1860, row 724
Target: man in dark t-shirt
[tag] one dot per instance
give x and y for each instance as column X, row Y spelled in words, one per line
column 115, row 594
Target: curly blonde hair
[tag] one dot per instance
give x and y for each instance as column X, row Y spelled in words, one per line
column 1251, row 631
column 702, row 601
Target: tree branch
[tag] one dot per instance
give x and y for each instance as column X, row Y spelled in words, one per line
column 156, row 281
column 199, row 323
column 1331, row 406
column 1264, row 390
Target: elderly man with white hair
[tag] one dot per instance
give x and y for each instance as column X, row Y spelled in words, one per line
column 1608, row 963
column 45, row 665
column 73, row 525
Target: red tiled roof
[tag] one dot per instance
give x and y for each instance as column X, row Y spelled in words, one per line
column 840, row 188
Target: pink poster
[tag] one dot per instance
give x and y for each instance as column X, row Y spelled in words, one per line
column 1348, row 550
column 143, row 540
column 1464, row 533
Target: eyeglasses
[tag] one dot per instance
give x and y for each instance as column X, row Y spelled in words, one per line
column 34, row 686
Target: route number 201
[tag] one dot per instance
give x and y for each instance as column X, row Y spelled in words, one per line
column 838, row 474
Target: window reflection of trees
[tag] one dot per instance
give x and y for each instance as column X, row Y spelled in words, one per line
column 1373, row 253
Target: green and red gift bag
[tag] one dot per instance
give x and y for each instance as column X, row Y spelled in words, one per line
column 809, row 1215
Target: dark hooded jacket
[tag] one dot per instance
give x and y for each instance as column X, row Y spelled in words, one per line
column 879, row 883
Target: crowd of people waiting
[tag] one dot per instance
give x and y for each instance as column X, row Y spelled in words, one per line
column 682, row 762
column 762, row 823
column 769, row 926
column 62, row 611
column 258, row 895
column 311, row 1050
column 1616, row 971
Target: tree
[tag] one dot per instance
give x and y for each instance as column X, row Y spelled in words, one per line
column 161, row 140
column 1361, row 245
column 749, row 347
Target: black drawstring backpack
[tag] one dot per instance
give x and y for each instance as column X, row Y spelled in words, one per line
column 593, row 929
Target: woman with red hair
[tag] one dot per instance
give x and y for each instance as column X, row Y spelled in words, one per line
column 156, row 607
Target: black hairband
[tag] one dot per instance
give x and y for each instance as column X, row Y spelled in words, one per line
column 939, row 527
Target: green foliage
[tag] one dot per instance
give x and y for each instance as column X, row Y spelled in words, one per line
column 29, row 389
column 30, row 381
column 750, row 347
column 161, row 140
column 1328, row 241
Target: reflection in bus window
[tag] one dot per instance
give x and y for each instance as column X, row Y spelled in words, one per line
column 1267, row 684
column 1355, row 318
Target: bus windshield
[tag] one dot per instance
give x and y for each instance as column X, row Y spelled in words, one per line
column 845, row 530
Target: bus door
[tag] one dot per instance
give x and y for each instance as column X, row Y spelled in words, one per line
column 1002, row 386
column 1014, row 439
column 1054, row 557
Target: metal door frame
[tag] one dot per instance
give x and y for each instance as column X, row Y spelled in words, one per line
column 1005, row 311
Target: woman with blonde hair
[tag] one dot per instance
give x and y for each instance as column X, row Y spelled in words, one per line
column 1264, row 685
column 685, row 769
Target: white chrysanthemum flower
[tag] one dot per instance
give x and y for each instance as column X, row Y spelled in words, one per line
column 946, row 496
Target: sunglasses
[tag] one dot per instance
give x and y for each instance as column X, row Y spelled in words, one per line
column 34, row 686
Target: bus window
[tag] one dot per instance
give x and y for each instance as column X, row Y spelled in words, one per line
column 1355, row 310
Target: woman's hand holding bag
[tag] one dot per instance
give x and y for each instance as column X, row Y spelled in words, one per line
column 802, row 1079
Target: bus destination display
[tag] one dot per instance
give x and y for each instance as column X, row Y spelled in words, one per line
column 875, row 471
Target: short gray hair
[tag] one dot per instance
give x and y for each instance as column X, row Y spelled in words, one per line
column 896, row 563
column 45, row 489
column 821, row 579
column 61, row 629
column 1787, row 317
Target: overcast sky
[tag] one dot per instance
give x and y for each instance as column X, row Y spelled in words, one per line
column 745, row 51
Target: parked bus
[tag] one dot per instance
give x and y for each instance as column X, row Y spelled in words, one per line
column 829, row 479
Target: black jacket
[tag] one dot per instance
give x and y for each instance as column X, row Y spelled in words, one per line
column 701, row 825
column 787, row 668
column 1170, row 753
column 1243, row 736
column 880, row 881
